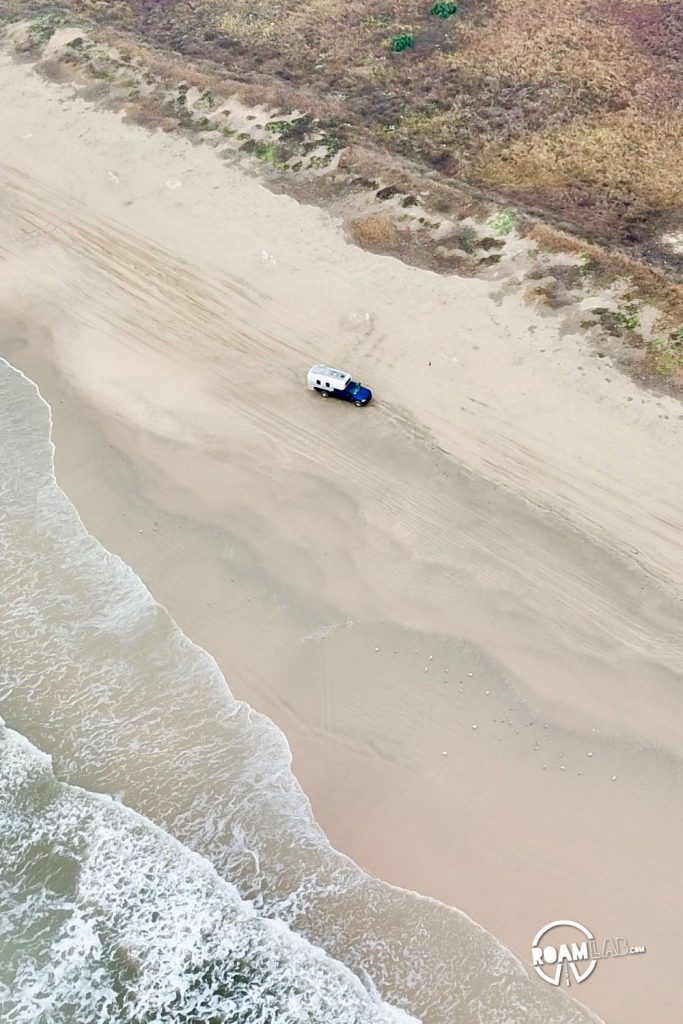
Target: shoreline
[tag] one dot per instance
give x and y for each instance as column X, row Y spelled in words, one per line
column 223, row 532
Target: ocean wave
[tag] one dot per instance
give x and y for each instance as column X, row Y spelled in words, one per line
column 107, row 920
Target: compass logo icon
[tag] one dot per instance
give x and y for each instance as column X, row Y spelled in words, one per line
column 564, row 946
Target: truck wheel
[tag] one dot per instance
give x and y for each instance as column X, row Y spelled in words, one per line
column 358, row 404
column 325, row 394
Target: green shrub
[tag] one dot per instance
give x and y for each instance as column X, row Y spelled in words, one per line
column 442, row 10
column 402, row 42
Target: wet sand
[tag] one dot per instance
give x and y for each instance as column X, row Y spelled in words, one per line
column 495, row 543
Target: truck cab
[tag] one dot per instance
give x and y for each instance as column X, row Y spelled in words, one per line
column 337, row 383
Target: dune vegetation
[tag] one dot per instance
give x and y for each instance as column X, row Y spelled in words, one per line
column 570, row 114
column 575, row 109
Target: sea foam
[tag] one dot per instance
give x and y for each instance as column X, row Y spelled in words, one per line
column 106, row 919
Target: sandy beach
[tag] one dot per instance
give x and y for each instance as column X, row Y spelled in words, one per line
column 461, row 605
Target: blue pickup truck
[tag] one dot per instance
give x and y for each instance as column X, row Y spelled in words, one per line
column 337, row 383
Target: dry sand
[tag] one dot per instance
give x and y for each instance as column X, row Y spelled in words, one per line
column 496, row 542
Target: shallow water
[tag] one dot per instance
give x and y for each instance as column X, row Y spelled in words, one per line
column 95, row 673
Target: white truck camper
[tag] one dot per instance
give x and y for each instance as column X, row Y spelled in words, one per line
column 326, row 378
column 337, row 383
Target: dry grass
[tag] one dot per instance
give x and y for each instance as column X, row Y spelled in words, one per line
column 607, row 265
column 376, row 233
column 372, row 165
column 379, row 233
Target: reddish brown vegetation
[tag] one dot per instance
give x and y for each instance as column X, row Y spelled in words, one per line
column 656, row 29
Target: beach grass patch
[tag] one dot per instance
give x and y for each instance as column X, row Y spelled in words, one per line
column 667, row 357
column 503, row 222
column 587, row 265
column 266, row 152
column 628, row 318
column 616, row 321
column 279, row 127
